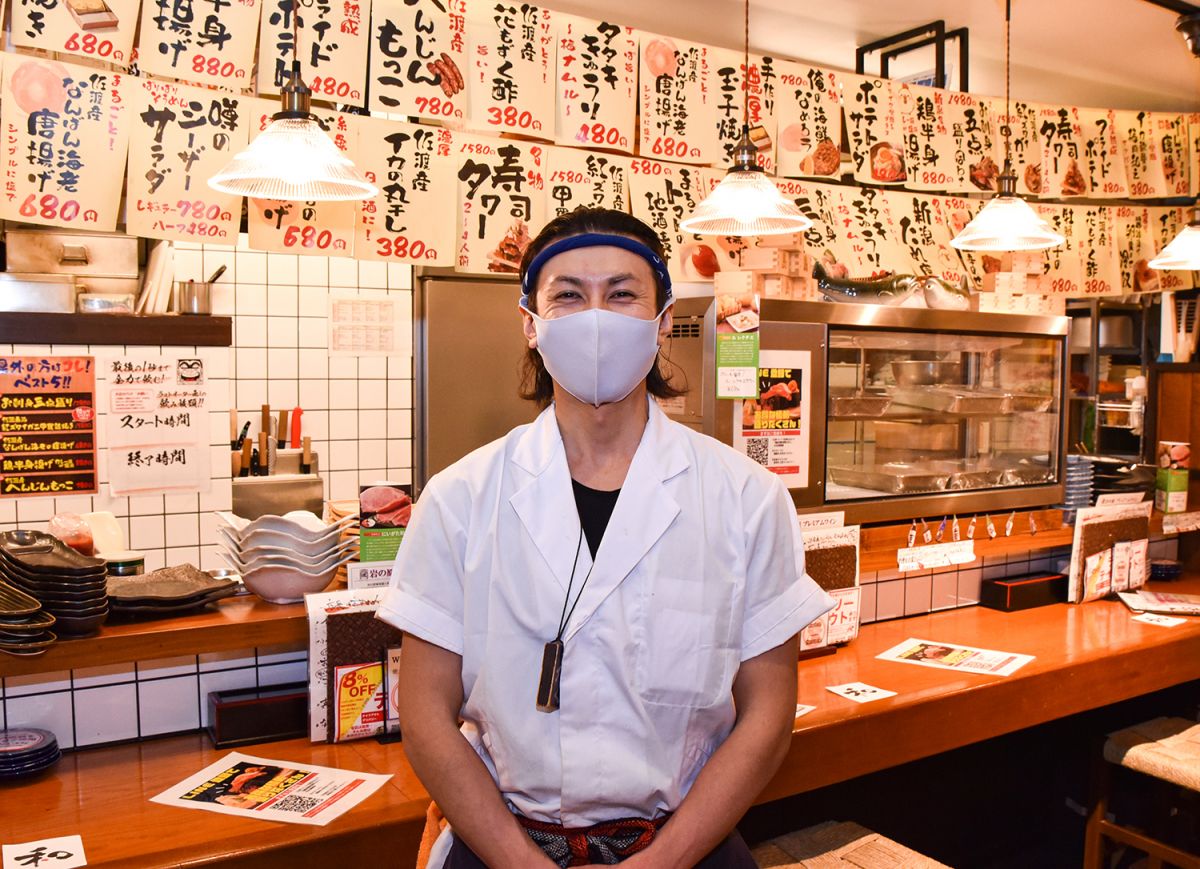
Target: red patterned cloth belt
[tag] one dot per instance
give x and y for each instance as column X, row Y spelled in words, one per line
column 605, row 844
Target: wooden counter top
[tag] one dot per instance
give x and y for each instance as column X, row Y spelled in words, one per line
column 1087, row 657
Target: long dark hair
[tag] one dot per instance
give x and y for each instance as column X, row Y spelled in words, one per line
column 536, row 383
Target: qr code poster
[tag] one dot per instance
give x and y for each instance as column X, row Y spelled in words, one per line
column 774, row 428
column 273, row 790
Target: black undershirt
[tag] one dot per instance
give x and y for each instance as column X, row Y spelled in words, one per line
column 595, row 509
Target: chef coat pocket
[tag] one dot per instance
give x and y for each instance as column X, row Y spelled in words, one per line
column 684, row 656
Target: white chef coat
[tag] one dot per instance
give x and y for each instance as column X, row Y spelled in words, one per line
column 701, row 567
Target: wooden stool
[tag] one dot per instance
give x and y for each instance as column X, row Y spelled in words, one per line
column 838, row 846
column 1167, row 749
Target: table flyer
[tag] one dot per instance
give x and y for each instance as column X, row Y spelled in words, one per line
column 949, row 656
column 273, row 790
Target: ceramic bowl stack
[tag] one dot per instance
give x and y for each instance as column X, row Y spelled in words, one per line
column 1079, row 486
column 27, row 751
column 340, row 511
column 69, row 586
column 283, row 558
column 24, row 626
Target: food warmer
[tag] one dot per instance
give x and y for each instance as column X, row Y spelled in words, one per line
column 893, row 413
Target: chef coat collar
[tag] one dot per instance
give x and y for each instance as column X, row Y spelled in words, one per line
column 644, row 509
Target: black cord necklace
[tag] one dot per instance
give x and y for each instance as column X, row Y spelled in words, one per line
column 552, row 654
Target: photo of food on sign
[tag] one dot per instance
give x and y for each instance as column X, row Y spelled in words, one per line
column 699, row 260
column 887, row 163
column 245, row 786
column 779, row 402
column 737, row 313
column 823, row 157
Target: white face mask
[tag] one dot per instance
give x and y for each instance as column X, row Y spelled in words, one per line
column 598, row 356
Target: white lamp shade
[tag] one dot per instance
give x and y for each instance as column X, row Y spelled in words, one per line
column 1182, row 253
column 745, row 203
column 1006, row 223
column 293, row 159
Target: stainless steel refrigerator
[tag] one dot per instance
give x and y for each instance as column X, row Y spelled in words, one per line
column 468, row 348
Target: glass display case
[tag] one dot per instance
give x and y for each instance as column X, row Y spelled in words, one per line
column 894, row 413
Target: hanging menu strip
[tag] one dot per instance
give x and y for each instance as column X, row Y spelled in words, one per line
column 47, row 425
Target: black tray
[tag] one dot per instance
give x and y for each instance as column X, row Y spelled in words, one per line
column 45, row 553
column 143, row 608
column 181, row 584
column 78, row 625
column 16, row 603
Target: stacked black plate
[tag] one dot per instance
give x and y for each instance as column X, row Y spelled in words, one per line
column 70, row 586
column 1116, row 476
column 167, row 591
column 1165, row 569
column 24, row 627
column 27, row 751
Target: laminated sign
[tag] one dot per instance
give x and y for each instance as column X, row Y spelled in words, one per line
column 511, row 75
column 180, row 137
column 808, row 105
column 412, row 219
column 597, row 84
column 678, row 109
column 308, row 228
column 203, row 41
column 501, row 201
column 419, row 58
column 96, row 29
column 47, row 425
column 66, row 129
column 332, row 44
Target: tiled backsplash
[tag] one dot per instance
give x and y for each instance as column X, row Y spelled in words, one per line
column 358, row 411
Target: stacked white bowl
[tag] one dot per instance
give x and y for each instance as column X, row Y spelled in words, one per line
column 283, row 558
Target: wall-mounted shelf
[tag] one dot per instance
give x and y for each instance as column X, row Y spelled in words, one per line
column 162, row 329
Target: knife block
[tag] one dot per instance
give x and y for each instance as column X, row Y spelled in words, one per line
column 285, row 490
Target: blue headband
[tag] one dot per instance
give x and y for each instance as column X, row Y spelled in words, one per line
column 595, row 239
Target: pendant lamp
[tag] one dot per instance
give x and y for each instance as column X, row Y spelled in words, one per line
column 293, row 158
column 1007, row 222
column 1184, row 251
column 746, row 202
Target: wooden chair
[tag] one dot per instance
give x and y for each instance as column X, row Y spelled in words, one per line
column 1166, row 749
column 833, row 845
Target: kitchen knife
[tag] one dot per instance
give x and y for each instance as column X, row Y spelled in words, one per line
column 306, row 458
column 282, row 431
column 266, row 420
column 235, row 463
column 295, row 440
column 247, row 447
column 255, row 466
column 242, row 437
column 264, row 467
column 233, row 429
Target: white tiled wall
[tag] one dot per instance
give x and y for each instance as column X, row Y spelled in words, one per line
column 357, row 411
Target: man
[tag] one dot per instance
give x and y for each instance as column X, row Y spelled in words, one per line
column 626, row 700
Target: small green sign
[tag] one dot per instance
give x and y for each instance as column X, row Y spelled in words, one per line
column 737, row 365
column 379, row 544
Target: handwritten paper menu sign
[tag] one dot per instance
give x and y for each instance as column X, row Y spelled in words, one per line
column 157, row 425
column 511, row 79
column 874, row 125
column 180, row 137
column 100, row 31
column 729, row 77
column 412, row 219
column 1143, row 154
column 1102, row 162
column 333, row 42
column 808, row 107
column 202, row 41
column 500, row 201
column 662, row 195
column 597, row 84
column 419, row 58
column 1060, row 131
column 65, row 129
column 305, row 228
column 580, row 179
column 678, row 107
column 1021, row 120
column 47, row 425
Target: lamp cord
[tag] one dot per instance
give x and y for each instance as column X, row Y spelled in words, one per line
column 1007, row 80
column 296, row 37
column 746, row 70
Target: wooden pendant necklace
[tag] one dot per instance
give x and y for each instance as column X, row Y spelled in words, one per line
column 552, row 653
